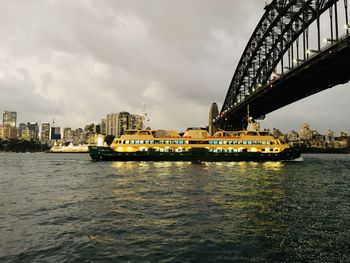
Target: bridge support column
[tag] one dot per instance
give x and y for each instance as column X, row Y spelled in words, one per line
column 346, row 16
column 213, row 113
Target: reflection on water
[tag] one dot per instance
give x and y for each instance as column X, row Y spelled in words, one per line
column 67, row 208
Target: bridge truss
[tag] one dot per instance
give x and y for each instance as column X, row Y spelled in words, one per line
column 281, row 38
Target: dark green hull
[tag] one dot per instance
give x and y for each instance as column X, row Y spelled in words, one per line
column 196, row 155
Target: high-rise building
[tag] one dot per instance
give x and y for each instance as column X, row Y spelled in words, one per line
column 67, row 135
column 123, row 122
column 9, row 118
column 103, row 127
column 22, row 127
column 135, row 122
column 8, row 132
column 45, row 133
column 112, row 124
column 34, row 128
column 97, row 129
column 117, row 123
column 55, row 133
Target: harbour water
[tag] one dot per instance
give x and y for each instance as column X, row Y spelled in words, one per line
column 66, row 208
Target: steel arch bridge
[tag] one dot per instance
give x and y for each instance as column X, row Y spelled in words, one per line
column 282, row 40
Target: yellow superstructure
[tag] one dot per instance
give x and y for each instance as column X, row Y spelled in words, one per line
column 221, row 142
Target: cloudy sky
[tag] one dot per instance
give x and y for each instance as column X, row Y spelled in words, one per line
column 76, row 61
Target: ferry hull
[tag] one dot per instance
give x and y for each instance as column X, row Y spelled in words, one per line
column 199, row 155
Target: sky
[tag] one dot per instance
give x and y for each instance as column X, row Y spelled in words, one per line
column 73, row 62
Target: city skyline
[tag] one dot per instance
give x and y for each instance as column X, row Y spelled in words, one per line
column 74, row 65
column 136, row 121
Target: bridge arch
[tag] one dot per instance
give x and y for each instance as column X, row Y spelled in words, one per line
column 281, row 26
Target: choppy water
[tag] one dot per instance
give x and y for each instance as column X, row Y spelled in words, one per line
column 65, row 208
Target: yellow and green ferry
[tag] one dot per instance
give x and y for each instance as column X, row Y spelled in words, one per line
column 195, row 146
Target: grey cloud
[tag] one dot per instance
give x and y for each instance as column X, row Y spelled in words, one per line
column 84, row 59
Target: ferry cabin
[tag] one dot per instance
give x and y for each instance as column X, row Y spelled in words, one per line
column 221, row 142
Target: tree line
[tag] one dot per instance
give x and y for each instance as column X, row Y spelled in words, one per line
column 16, row 145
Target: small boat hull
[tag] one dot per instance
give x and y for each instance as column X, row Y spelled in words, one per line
column 198, row 155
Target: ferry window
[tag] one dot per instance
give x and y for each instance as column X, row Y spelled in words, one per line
column 251, row 133
column 263, row 133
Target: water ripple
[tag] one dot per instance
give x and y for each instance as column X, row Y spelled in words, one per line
column 65, row 208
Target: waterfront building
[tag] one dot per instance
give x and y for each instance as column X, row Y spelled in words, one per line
column 344, row 140
column 276, row 133
column 293, row 136
column 55, row 133
column 22, row 127
column 7, row 132
column 103, row 126
column 112, row 124
column 117, row 123
column 90, row 128
column 123, row 123
column 305, row 132
column 28, row 135
column 343, row 134
column 9, row 118
column 79, row 136
column 330, row 138
column 97, row 129
column 45, row 133
column 33, row 127
column 135, row 122
column 213, row 113
column 67, row 135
